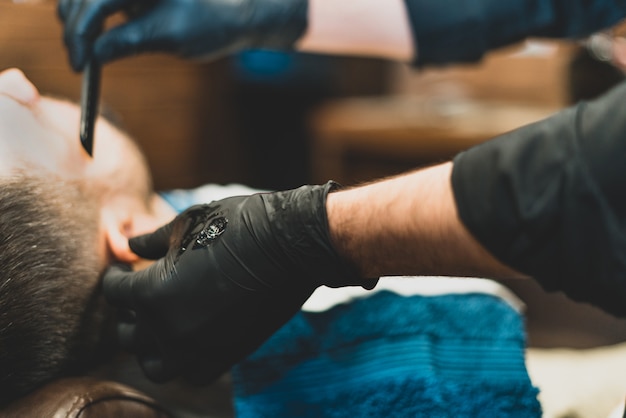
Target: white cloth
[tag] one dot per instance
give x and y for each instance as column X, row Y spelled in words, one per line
column 324, row 297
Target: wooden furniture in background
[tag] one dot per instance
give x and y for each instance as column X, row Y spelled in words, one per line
column 531, row 72
column 364, row 138
column 433, row 113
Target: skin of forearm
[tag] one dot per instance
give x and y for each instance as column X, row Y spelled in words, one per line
column 408, row 225
column 372, row 28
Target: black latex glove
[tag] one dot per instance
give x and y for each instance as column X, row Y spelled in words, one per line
column 189, row 28
column 231, row 273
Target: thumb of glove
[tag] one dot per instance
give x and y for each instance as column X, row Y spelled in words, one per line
column 139, row 35
column 154, row 245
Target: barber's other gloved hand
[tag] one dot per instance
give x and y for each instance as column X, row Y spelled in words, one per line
column 189, row 28
column 229, row 274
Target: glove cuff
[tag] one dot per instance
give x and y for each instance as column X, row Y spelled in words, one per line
column 351, row 275
column 347, row 273
column 301, row 222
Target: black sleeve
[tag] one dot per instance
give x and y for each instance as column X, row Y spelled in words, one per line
column 448, row 31
column 549, row 200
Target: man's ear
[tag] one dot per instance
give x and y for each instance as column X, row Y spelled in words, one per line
column 118, row 228
column 619, row 53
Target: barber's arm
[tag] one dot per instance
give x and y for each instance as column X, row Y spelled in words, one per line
column 408, row 225
column 421, row 31
column 545, row 201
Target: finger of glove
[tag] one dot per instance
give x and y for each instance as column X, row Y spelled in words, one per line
column 157, row 368
column 143, row 34
column 124, row 288
column 135, row 338
column 206, row 370
column 369, row 284
column 83, row 21
column 126, row 315
column 63, row 9
column 154, row 245
column 126, row 336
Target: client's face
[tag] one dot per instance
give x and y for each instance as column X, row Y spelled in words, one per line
column 42, row 134
column 56, row 206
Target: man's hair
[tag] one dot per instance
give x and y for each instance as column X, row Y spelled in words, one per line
column 52, row 314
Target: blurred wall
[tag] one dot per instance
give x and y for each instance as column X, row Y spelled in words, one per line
column 430, row 114
column 532, row 72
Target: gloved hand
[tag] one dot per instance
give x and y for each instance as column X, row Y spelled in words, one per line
column 190, row 28
column 231, row 273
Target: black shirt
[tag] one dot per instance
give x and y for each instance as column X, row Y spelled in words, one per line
column 549, row 200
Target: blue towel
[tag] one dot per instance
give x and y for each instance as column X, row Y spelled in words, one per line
column 386, row 355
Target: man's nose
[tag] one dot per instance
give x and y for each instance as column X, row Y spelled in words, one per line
column 13, row 83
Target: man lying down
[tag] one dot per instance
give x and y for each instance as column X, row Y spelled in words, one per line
column 405, row 350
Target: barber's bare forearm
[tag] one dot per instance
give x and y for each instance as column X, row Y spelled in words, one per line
column 408, row 225
column 373, row 28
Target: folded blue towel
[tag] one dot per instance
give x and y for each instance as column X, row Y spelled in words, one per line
column 456, row 355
